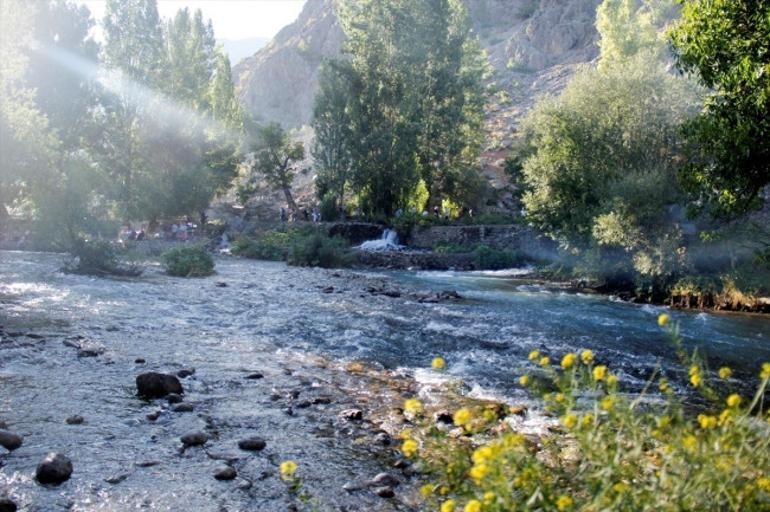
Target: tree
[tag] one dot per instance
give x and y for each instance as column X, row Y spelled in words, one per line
column 604, row 157
column 331, row 146
column 726, row 44
column 275, row 159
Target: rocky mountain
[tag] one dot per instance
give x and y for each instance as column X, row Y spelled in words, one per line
column 534, row 47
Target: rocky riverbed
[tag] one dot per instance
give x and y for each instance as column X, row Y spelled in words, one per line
column 278, row 363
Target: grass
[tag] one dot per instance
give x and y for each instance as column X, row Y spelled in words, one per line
column 611, row 450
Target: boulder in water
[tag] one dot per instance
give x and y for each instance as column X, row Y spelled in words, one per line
column 157, row 385
column 9, row 440
column 55, row 468
column 253, row 443
column 194, row 438
column 225, row 473
column 7, row 505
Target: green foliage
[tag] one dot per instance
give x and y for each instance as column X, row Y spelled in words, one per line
column 276, row 158
column 487, row 258
column 611, row 450
column 188, row 261
column 98, row 258
column 271, row 245
column 726, row 43
column 315, row 249
column 329, row 211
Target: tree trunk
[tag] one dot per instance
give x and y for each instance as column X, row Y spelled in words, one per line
column 203, row 219
column 290, row 202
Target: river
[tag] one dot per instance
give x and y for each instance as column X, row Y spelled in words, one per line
column 298, row 327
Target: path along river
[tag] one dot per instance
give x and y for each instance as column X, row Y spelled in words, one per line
column 298, row 327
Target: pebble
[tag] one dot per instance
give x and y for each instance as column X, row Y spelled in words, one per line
column 139, row 360
column 383, row 480
column 253, row 443
column 196, row 438
column 183, row 407
column 352, row 415
column 7, row 505
column 225, row 473
column 116, row 479
column 153, row 415
column 255, row 376
column 75, row 420
column 185, row 372
column 9, row 440
column 384, row 492
column 55, row 468
column 157, row 385
column 352, row 486
column 382, row 439
column 174, row 398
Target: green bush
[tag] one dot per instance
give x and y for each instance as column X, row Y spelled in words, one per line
column 272, row 245
column 329, row 212
column 488, row 258
column 318, row 250
column 188, row 261
column 96, row 257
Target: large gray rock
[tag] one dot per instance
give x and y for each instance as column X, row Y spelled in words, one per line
column 55, row 468
column 157, row 385
column 194, row 438
column 253, row 444
column 9, row 440
column 7, row 505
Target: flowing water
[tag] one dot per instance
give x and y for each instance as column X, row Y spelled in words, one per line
column 267, row 317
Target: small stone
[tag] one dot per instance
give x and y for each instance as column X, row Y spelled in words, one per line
column 275, row 396
column 183, row 407
column 139, row 360
column 352, row 415
column 220, row 284
column 288, row 371
column 194, row 438
column 352, row 486
column 55, row 468
column 185, row 372
column 328, row 289
column 7, row 505
column 255, row 376
column 174, row 398
column 294, row 394
column 147, row 463
column 226, row 473
column 383, row 480
column 75, row 420
column 157, row 385
column 153, row 415
column 443, row 417
column 382, row 439
column 116, row 479
column 322, row 400
column 253, row 443
column 9, row 440
column 288, row 411
column 302, row 404
column 384, row 492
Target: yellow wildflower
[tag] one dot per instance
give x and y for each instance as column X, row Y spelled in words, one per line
column 694, row 369
column 409, row 448
column 695, row 380
column 413, row 406
column 765, row 373
column 443, row 490
column 725, row 372
column 406, row 433
column 705, row 421
column 734, row 400
column 620, row 487
column 287, row 469
column 568, row 360
column 612, row 380
column 607, row 403
column 524, row 380
column 479, row 471
column 473, row 506
column 462, row 417
column 483, row 454
column 599, row 373
column 426, row 490
column 663, row 320
column 587, row 420
column 569, row 421
column 489, row 498
column 690, row 442
column 764, row 483
column 534, row 355
column 587, row 357
column 663, row 386
column 545, row 361
column 448, row 506
column 564, row 503
column 724, row 417
column 438, row 363
column 559, row 398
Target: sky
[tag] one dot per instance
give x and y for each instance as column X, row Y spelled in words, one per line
column 233, row 19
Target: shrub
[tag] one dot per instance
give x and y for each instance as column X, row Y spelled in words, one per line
column 272, row 245
column 487, row 258
column 96, row 257
column 612, row 450
column 329, row 212
column 188, row 261
column 318, row 250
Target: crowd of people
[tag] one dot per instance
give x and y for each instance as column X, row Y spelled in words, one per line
column 178, row 230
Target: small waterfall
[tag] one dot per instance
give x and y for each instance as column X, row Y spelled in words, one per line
column 387, row 242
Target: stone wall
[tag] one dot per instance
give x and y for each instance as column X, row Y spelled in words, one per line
column 512, row 237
